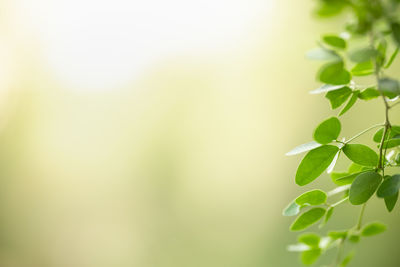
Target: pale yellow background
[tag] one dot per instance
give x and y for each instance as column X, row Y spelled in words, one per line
column 153, row 133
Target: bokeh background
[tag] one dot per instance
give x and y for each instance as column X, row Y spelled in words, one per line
column 152, row 133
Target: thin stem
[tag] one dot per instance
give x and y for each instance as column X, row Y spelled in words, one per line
column 363, row 132
column 360, row 217
column 395, row 104
column 339, row 202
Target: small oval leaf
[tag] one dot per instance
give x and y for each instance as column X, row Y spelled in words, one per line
column 307, row 219
column 363, row 187
column 389, row 187
column 373, row 229
column 291, row 210
column 361, row 154
column 313, row 198
column 315, row 163
column 327, row 131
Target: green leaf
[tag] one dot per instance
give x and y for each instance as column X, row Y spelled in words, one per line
column 327, row 131
column 389, row 87
column 326, row 88
column 307, row 219
column 390, row 201
column 347, row 259
column 373, row 229
column 396, row 32
column 354, row 167
column 328, row 215
column 363, row 68
column 334, row 73
column 394, row 130
column 354, row 238
column 361, row 154
column 313, row 198
column 309, row 257
column 291, row 210
column 348, row 179
column 323, row 54
column 392, row 142
column 315, row 163
column 381, row 52
column 392, row 58
column 303, row 148
column 362, row 54
column 363, row 187
column 335, row 235
column 350, row 103
column 389, row 187
column 338, row 97
column 309, row 239
column 334, row 41
column 369, row 93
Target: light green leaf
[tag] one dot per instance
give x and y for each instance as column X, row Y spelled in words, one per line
column 291, row 210
column 315, row 163
column 354, row 238
column 347, row 259
column 361, row 154
column 363, row 187
column 373, row 229
column 350, row 103
column 303, row 148
column 368, row 94
column 392, row 58
column 312, row 198
column 307, row 219
column 338, row 97
column 389, row 187
column 334, row 41
column 327, row 217
column 309, row 239
column 309, row 257
column 323, row 54
column 390, row 201
column 327, row 131
column 394, row 130
column 335, row 235
column 334, row 73
column 348, row 179
column 326, row 88
column 363, row 68
column 362, row 54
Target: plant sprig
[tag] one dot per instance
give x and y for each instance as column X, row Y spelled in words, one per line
column 376, row 25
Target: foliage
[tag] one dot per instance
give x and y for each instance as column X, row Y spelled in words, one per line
column 368, row 45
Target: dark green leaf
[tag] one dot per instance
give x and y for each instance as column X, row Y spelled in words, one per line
column 315, row 163
column 373, row 229
column 389, row 187
column 303, row 148
column 361, row 154
column 291, row 210
column 369, row 93
column 338, row 97
column 362, row 55
column 363, row 68
column 309, row 257
column 334, row 73
column 393, row 131
column 396, row 32
column 327, row 131
column 389, row 87
column 334, row 41
column 363, row 187
column 307, row 219
column 312, row 198
column 390, row 202
column 350, row 103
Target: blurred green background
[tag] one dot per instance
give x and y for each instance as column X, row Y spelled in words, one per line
column 117, row 151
